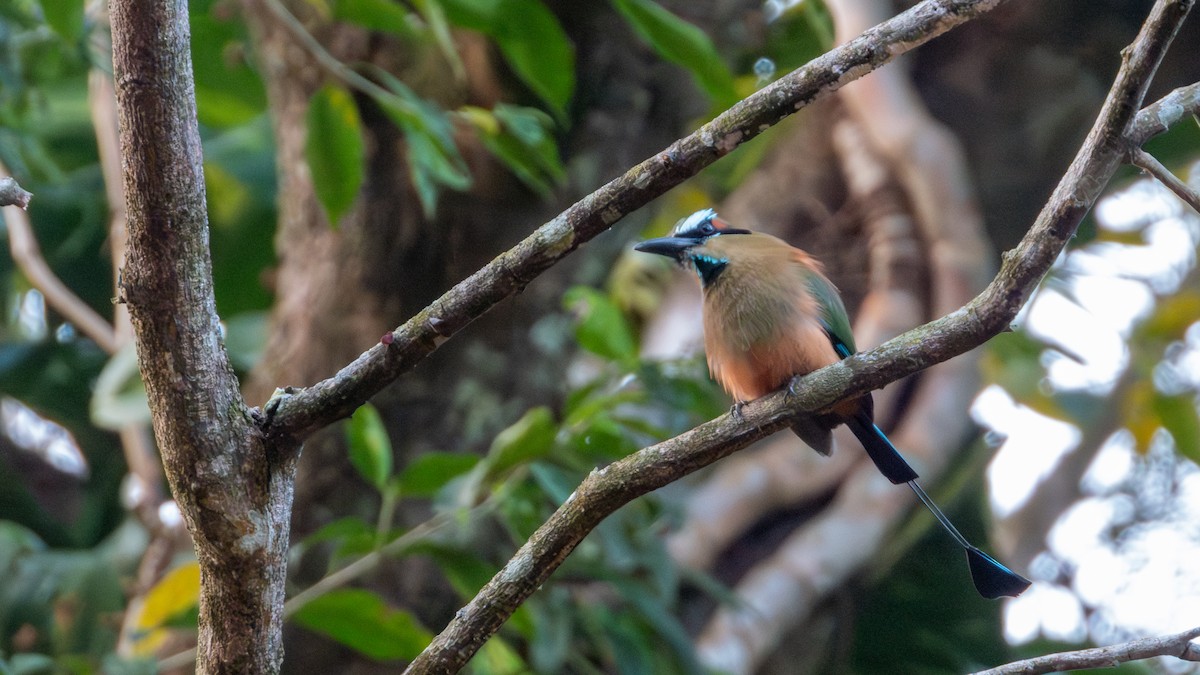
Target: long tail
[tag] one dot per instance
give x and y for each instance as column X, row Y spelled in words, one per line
column 992, row 579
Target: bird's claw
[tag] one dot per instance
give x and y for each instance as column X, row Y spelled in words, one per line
column 793, row 387
column 736, row 411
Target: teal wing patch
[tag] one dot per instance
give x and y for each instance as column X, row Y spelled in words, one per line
column 833, row 314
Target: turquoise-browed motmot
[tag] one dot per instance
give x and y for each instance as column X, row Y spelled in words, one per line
column 771, row 314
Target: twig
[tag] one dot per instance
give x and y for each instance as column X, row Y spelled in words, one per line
column 1147, row 162
column 368, row 562
column 335, row 398
column 12, row 194
column 1179, row 645
column 28, row 255
column 604, row 490
column 328, row 61
column 1164, row 113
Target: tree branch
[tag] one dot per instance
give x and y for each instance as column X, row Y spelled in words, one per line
column 1148, row 163
column 235, row 496
column 298, row 415
column 1178, row 645
column 12, row 194
column 26, row 253
column 1164, row 113
column 990, row 313
column 1155, row 119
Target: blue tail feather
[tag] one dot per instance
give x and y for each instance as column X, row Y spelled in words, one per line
column 991, row 578
column 887, row 458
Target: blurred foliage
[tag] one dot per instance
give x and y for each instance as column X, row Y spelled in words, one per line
column 1150, row 401
column 1154, row 397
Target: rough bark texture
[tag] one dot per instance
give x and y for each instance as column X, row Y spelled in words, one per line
column 235, row 497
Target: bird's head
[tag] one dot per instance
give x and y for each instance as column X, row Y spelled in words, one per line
column 691, row 244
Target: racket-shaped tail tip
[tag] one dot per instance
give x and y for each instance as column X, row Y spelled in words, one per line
column 992, row 579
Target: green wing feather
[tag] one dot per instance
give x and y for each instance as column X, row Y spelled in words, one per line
column 833, row 313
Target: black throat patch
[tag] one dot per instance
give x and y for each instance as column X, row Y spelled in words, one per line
column 708, row 268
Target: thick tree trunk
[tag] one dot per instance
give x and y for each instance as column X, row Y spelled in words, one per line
column 234, row 495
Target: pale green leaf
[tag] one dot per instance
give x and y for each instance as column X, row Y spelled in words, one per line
column 433, row 156
column 527, row 439
column 601, row 329
column 387, row 16
column 335, row 150
column 362, row 621
column 428, row 473
column 119, row 396
column 531, row 41
column 520, row 137
column 370, row 447
column 683, row 44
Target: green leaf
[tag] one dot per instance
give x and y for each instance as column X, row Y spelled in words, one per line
column 427, row 474
column 602, row 328
column 683, row 44
column 65, row 17
column 665, row 625
column 803, row 32
column 370, row 447
column 531, row 41
column 529, row 438
column 433, row 156
column 601, row 439
column 520, row 137
column 229, row 92
column 465, row 572
column 342, row 528
column 362, row 621
column 386, row 16
column 497, row 657
column 1178, row 415
column 335, row 150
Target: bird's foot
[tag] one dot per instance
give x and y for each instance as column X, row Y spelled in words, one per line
column 736, row 411
column 793, row 388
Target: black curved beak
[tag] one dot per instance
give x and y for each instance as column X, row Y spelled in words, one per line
column 671, row 247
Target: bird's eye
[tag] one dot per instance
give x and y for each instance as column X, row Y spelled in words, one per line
column 707, row 228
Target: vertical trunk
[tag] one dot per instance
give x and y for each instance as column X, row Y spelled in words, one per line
column 234, row 493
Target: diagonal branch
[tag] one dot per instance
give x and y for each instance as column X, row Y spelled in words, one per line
column 1178, row 645
column 26, row 253
column 296, row 416
column 1150, row 164
column 989, row 314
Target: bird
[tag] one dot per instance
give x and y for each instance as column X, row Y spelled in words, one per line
column 770, row 314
